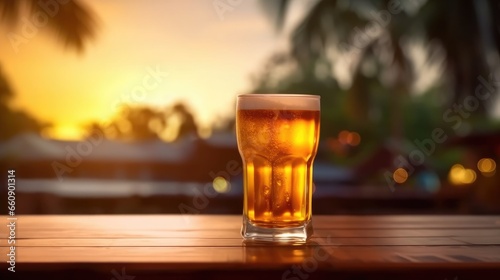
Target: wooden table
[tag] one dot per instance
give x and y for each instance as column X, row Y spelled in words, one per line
column 210, row 247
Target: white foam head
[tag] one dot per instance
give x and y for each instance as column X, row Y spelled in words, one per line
column 278, row 102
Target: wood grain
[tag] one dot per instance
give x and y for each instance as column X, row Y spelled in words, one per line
column 213, row 243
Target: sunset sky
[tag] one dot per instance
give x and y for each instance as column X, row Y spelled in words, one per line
column 209, row 60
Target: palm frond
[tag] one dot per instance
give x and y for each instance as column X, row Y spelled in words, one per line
column 277, row 11
column 73, row 23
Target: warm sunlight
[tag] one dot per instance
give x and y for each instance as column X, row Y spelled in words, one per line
column 232, row 138
column 68, row 132
column 140, row 56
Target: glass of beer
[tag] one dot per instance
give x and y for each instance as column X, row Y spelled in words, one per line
column 278, row 138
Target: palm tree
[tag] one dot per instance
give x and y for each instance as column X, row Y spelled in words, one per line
column 372, row 32
column 467, row 31
column 72, row 23
column 461, row 38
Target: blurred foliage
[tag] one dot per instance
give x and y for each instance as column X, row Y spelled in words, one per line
column 72, row 23
column 5, row 89
column 375, row 50
column 383, row 31
column 186, row 122
column 14, row 121
column 145, row 123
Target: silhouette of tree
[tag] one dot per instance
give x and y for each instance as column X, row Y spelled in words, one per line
column 5, row 89
column 187, row 123
column 144, row 123
column 14, row 121
column 461, row 38
column 94, row 130
column 466, row 30
column 134, row 123
column 72, row 22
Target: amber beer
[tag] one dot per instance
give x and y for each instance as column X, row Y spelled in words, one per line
column 277, row 139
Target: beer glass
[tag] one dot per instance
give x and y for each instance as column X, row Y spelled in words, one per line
column 277, row 138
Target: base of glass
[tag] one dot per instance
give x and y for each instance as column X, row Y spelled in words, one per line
column 252, row 232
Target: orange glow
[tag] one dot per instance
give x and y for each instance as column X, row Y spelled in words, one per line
column 64, row 132
column 400, row 175
column 185, row 39
column 353, row 139
column 486, row 165
column 349, row 138
column 461, row 176
column 343, row 136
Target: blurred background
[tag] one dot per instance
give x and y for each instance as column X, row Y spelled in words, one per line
column 128, row 106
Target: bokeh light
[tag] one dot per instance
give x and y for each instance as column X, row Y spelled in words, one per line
column 221, row 185
column 486, row 165
column 343, row 135
column 349, row 138
column 353, row 139
column 461, row 176
column 429, row 181
column 400, row 175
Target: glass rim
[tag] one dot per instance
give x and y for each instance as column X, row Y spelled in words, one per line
column 260, row 95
